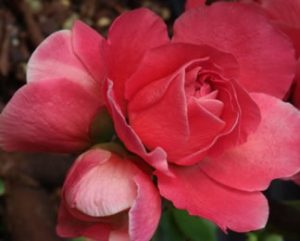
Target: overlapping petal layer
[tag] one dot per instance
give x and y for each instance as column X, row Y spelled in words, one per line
column 128, row 40
column 48, row 116
column 271, row 152
column 156, row 158
column 106, row 197
column 265, row 57
column 55, row 59
column 88, row 47
column 191, row 189
column 164, row 112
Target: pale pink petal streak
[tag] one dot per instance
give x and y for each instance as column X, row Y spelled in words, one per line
column 54, row 58
column 88, row 47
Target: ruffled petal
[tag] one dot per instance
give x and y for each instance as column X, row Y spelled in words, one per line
column 129, row 37
column 48, row 116
column 88, row 47
column 192, row 190
column 156, row 158
column 265, row 56
column 165, row 60
column 158, row 114
column 271, row 152
column 248, row 118
column 55, row 59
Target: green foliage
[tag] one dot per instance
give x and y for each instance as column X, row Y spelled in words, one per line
column 194, row 228
column 2, row 188
column 78, row 239
column 264, row 236
column 274, row 237
column 178, row 225
column 167, row 229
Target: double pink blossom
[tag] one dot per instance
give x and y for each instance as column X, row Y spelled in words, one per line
column 218, row 117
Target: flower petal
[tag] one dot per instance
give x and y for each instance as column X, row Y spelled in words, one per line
column 109, row 192
column 160, row 119
column 103, row 184
column 284, row 11
column 55, row 59
column 88, row 47
column 284, row 15
column 48, row 116
column 190, row 4
column 296, row 87
column 156, row 158
column 145, row 214
column 261, row 51
column 192, row 190
column 248, row 118
column 129, row 37
column 272, row 151
column 69, row 226
column 296, row 178
column 165, row 60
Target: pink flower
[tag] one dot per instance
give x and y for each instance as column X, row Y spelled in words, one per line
column 55, row 109
column 107, row 197
column 193, row 102
column 202, row 108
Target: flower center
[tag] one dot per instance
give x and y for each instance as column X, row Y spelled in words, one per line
column 197, row 83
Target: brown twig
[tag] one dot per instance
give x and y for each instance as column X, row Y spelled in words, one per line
column 30, row 211
column 34, row 31
column 6, row 30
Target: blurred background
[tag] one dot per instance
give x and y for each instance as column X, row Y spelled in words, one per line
column 30, row 183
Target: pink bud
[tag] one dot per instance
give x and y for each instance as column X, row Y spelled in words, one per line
column 107, row 197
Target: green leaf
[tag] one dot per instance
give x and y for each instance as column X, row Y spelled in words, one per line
column 167, row 229
column 78, row 239
column 264, row 235
column 194, row 228
column 2, row 188
column 252, row 237
column 273, row 237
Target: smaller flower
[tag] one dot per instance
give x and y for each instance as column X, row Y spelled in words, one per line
column 107, row 197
